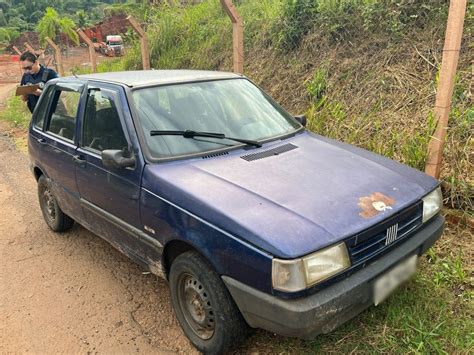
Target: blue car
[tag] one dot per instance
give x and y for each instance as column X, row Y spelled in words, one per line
column 206, row 181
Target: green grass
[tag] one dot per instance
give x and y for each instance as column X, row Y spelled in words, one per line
column 330, row 117
column 197, row 36
column 16, row 113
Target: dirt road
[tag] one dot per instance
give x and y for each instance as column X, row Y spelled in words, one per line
column 71, row 293
column 10, row 71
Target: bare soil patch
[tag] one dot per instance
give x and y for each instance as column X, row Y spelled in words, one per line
column 73, row 292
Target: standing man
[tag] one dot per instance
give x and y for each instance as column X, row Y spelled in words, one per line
column 34, row 73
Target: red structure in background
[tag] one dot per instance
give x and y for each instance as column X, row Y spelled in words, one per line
column 94, row 34
column 111, row 26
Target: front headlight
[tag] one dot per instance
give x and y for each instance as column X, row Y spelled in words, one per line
column 298, row 274
column 432, row 204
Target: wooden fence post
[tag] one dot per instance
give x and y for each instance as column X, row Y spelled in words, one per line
column 58, row 57
column 16, row 50
column 452, row 46
column 90, row 44
column 237, row 35
column 143, row 42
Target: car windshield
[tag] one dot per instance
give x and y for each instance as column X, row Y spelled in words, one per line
column 235, row 108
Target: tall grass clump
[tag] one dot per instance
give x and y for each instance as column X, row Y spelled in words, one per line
column 199, row 36
column 344, row 19
column 16, row 112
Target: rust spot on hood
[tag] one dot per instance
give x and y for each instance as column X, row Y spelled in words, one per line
column 374, row 204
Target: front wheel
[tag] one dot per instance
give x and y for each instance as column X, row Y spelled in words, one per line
column 54, row 217
column 204, row 307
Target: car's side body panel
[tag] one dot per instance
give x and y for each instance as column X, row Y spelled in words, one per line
column 55, row 157
column 229, row 255
column 114, row 190
column 110, row 197
column 59, row 164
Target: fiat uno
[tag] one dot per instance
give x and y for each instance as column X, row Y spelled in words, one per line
column 206, row 181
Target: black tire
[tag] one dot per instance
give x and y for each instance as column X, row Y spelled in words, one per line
column 52, row 213
column 204, row 307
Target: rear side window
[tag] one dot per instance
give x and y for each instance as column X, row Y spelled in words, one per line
column 43, row 107
column 63, row 114
column 102, row 127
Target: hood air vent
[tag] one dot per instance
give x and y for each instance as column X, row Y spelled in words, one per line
column 215, row 155
column 270, row 152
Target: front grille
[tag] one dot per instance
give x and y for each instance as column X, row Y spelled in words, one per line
column 383, row 236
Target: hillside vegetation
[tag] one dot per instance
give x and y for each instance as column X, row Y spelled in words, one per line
column 364, row 71
column 17, row 16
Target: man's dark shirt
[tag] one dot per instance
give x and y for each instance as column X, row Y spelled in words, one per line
column 35, row 79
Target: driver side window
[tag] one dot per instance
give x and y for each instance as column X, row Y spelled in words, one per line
column 102, row 128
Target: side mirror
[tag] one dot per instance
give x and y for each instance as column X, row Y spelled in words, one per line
column 302, row 120
column 117, row 159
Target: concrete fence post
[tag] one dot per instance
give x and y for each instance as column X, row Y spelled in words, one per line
column 90, row 44
column 29, row 48
column 237, row 35
column 143, row 42
column 452, row 47
column 57, row 55
column 39, row 53
column 16, row 50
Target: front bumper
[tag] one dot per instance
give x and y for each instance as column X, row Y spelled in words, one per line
column 327, row 309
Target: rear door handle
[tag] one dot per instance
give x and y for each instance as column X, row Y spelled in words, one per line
column 41, row 140
column 79, row 161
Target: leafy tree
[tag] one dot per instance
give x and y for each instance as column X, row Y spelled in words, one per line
column 49, row 25
column 68, row 27
column 27, row 15
column 35, row 16
column 3, row 20
column 82, row 19
column 18, row 23
column 4, row 6
column 52, row 25
column 8, row 34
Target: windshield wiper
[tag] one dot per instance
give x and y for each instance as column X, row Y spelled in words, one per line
column 192, row 134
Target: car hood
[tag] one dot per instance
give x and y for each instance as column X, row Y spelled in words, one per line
column 295, row 196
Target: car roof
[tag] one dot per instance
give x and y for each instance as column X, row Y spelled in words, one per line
column 158, row 77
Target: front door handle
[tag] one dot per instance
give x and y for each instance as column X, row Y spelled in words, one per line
column 79, row 161
column 41, row 141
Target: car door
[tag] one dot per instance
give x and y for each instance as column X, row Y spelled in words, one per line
column 58, row 142
column 109, row 196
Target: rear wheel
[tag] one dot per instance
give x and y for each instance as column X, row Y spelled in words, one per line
column 204, row 307
column 52, row 213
